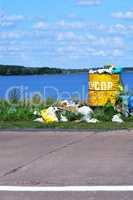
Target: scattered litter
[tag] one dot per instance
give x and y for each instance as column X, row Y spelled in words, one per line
column 117, row 119
column 86, row 112
column 36, row 113
column 93, row 120
column 39, row 120
column 64, row 104
column 116, row 70
column 63, row 118
column 69, row 106
column 83, row 113
column 49, row 115
column 109, row 70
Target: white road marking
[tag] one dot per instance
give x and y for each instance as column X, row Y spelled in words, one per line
column 65, row 188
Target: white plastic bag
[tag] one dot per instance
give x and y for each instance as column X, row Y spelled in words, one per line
column 93, row 120
column 117, row 119
column 63, row 119
column 39, row 120
column 86, row 111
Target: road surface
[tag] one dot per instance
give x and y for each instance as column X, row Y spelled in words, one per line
column 57, row 158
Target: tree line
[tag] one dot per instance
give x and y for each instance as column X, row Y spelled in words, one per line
column 22, row 70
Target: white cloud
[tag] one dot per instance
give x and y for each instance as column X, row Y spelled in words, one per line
column 6, row 24
column 70, row 25
column 13, row 17
column 117, row 53
column 9, row 35
column 91, row 37
column 10, row 20
column 112, row 41
column 105, row 53
column 94, row 52
column 67, row 50
column 88, row 2
column 119, row 29
column 40, row 25
column 99, row 53
column 123, row 15
column 65, row 36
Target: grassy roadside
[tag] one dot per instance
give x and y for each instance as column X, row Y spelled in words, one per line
column 20, row 115
column 66, row 125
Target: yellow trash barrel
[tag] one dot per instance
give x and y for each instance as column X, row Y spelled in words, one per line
column 103, row 88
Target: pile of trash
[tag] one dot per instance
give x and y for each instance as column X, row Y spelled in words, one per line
column 70, row 111
column 106, row 70
column 66, row 111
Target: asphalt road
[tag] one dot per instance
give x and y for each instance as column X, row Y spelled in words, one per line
column 65, row 159
column 67, row 196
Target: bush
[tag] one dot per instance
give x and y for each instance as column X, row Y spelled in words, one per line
column 71, row 116
column 99, row 113
column 104, row 113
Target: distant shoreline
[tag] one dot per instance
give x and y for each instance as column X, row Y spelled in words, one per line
column 15, row 70
column 11, row 70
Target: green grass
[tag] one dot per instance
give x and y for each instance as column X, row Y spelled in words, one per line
column 21, row 111
column 21, row 116
column 65, row 125
column 84, row 125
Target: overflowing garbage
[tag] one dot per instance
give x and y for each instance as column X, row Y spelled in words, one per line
column 104, row 84
column 77, row 112
column 66, row 111
column 111, row 69
column 114, row 105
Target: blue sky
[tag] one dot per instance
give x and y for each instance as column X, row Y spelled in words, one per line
column 66, row 33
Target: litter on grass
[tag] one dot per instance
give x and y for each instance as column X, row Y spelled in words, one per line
column 65, row 114
column 83, row 114
column 86, row 113
column 105, row 83
column 117, row 119
column 49, row 115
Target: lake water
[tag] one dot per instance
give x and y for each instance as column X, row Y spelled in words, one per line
column 56, row 86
